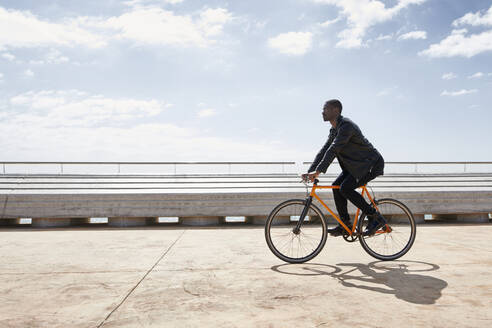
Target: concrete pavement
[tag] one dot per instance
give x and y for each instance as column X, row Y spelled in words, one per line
column 227, row 277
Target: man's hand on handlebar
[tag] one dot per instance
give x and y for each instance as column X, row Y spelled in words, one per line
column 310, row 176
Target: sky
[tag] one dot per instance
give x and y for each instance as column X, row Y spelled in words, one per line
column 189, row 80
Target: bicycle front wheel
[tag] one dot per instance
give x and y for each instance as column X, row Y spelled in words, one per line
column 288, row 244
column 396, row 238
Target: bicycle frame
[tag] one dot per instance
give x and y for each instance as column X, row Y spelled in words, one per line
column 350, row 231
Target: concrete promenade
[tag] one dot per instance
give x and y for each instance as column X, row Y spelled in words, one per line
column 227, row 277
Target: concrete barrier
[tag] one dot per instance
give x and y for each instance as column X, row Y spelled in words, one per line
column 462, row 217
column 261, row 220
column 54, row 200
column 56, row 222
column 224, row 204
column 201, row 220
column 129, row 221
column 80, row 221
column 9, row 222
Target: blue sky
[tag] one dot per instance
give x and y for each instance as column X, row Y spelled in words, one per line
column 186, row 80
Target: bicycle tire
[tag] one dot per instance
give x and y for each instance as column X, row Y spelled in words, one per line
column 286, row 208
column 401, row 224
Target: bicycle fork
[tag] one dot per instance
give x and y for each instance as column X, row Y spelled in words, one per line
column 297, row 228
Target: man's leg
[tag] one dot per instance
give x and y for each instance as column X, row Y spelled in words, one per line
column 376, row 170
column 376, row 220
column 347, row 190
column 341, row 204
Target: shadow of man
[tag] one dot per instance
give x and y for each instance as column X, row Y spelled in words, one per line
column 396, row 277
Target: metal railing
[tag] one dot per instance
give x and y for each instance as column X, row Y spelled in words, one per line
column 417, row 164
column 230, row 167
column 172, row 164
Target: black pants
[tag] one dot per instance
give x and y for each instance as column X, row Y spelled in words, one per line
column 348, row 184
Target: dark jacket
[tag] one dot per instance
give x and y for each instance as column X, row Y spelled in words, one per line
column 354, row 152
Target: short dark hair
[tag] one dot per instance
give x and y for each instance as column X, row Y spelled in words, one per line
column 334, row 103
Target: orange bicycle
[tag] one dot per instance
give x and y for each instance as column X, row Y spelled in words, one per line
column 295, row 230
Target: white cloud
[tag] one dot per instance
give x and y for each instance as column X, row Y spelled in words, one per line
column 23, row 29
column 330, row 22
column 362, row 15
column 156, row 26
column 415, row 35
column 475, row 19
column 449, row 76
column 76, row 108
column 458, row 93
column 147, row 142
column 207, row 112
column 292, row 43
column 459, row 44
column 477, row 75
column 53, row 56
column 386, row 92
column 8, row 56
column 140, row 24
column 28, row 73
column 134, row 3
column 74, row 125
column 384, row 37
column 212, row 21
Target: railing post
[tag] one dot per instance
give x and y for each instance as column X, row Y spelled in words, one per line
column 3, row 168
column 61, row 168
column 464, row 167
column 174, row 168
column 119, row 168
column 283, row 171
column 416, row 171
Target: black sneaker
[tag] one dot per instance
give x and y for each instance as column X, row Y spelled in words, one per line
column 376, row 221
column 338, row 230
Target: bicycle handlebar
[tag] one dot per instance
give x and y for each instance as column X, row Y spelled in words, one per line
column 315, row 182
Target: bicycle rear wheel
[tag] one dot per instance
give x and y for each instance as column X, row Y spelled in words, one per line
column 281, row 236
column 396, row 238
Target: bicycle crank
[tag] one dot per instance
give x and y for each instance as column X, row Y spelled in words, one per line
column 350, row 238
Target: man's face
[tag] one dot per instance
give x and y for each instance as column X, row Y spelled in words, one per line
column 329, row 113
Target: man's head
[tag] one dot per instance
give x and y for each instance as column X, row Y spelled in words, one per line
column 332, row 109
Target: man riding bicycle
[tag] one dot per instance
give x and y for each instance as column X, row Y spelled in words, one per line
column 360, row 163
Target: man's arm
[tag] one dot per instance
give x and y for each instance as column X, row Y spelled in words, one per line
column 311, row 176
column 344, row 134
column 321, row 153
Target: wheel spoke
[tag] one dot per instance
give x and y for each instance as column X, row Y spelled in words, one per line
column 391, row 245
column 282, row 240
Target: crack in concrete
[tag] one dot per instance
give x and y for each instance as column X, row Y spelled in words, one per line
column 186, row 290
column 140, row 281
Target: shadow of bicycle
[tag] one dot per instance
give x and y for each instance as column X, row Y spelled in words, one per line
column 400, row 278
